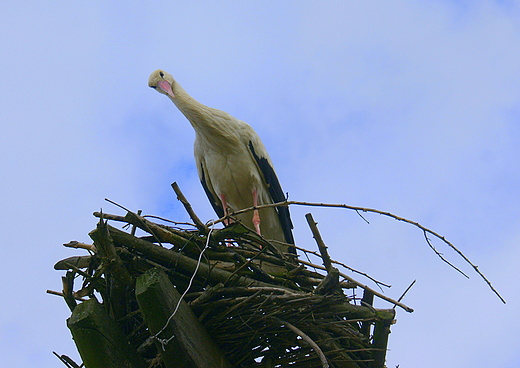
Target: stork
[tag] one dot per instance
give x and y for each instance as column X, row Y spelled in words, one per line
column 233, row 165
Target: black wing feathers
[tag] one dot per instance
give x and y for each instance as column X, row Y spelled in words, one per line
column 214, row 203
column 275, row 189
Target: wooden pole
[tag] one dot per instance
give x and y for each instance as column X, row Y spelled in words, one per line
column 380, row 342
column 182, row 341
column 99, row 340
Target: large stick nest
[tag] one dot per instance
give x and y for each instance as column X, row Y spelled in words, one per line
column 305, row 315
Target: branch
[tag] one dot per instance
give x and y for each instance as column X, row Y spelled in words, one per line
column 365, row 287
column 66, row 360
column 377, row 282
column 202, row 228
column 388, row 214
column 406, row 291
column 77, row 244
column 321, row 245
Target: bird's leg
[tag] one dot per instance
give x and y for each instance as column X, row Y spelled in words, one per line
column 256, row 215
column 226, row 212
column 225, row 207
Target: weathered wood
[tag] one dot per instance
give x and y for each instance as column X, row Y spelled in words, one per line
column 330, row 284
column 179, row 262
column 380, row 342
column 319, row 241
column 67, row 282
column 73, row 262
column 160, row 233
column 190, row 345
column 368, row 300
column 104, row 244
column 180, row 196
column 99, row 340
column 118, row 277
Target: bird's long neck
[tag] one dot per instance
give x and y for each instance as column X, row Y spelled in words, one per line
column 190, row 107
column 209, row 123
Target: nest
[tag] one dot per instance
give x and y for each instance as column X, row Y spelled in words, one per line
column 300, row 315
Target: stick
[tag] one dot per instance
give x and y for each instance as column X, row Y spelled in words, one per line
column 66, row 360
column 321, row 245
column 202, row 228
column 378, row 283
column 388, row 214
column 365, row 287
column 407, row 289
column 134, row 227
column 77, row 244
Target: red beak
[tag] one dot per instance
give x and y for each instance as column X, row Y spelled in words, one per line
column 166, row 87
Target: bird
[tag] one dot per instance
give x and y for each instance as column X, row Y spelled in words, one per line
column 234, row 167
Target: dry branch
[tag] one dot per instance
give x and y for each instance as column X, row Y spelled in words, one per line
column 321, row 244
column 180, row 196
column 425, row 230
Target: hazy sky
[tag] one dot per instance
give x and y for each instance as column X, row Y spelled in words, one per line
column 411, row 107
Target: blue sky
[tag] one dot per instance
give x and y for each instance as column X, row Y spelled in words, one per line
column 408, row 107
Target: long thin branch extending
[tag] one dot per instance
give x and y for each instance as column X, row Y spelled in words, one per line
column 406, row 291
column 388, row 214
column 365, row 287
column 377, row 282
column 137, row 217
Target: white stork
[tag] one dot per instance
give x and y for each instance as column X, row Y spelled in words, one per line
column 233, row 165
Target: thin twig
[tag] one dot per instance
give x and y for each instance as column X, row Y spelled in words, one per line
column 180, row 196
column 58, row 293
column 77, row 244
column 365, row 287
column 139, row 218
column 388, row 214
column 406, row 291
column 170, row 221
column 377, row 282
column 67, row 361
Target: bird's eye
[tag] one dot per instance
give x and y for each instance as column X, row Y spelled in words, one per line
column 161, row 74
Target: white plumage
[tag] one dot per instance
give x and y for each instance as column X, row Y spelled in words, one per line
column 233, row 165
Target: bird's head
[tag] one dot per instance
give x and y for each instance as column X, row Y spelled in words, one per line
column 162, row 82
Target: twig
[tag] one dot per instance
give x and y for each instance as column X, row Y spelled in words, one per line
column 307, row 339
column 134, row 227
column 407, row 289
column 139, row 218
column 77, row 244
column 180, row 196
column 167, row 220
column 377, row 282
column 67, row 361
column 321, row 244
column 439, row 254
column 365, row 287
column 388, row 214
column 57, row 293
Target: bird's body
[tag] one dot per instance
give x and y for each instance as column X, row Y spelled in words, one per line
column 233, row 165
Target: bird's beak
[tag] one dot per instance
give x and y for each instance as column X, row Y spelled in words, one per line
column 166, row 87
